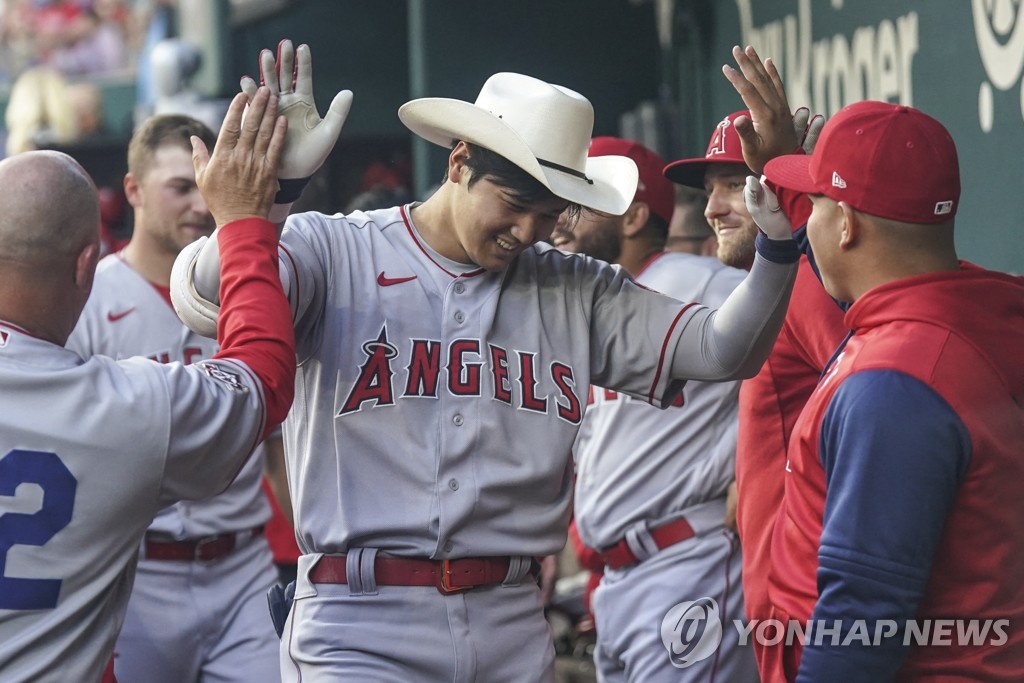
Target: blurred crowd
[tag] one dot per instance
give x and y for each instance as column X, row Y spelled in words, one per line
column 74, row 37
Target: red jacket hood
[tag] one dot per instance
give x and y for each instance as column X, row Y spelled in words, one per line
column 983, row 307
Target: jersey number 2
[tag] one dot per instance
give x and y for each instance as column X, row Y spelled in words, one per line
column 59, row 486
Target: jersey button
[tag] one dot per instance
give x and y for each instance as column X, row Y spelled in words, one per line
column 453, row 484
column 448, row 546
column 458, row 420
column 459, row 288
column 460, row 317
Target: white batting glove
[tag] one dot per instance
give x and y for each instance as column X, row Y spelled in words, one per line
column 813, row 131
column 807, row 128
column 310, row 139
column 764, row 208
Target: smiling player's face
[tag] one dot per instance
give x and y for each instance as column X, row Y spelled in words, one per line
column 728, row 216
column 168, row 205
column 494, row 226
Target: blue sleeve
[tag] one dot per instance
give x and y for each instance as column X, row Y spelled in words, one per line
column 894, row 454
column 804, row 245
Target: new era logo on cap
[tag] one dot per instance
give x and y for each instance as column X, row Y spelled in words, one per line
column 898, row 163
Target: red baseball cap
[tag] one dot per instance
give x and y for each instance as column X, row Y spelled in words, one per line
column 884, row 159
column 724, row 148
column 652, row 188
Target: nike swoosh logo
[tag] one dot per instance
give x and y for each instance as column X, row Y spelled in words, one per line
column 114, row 317
column 388, row 281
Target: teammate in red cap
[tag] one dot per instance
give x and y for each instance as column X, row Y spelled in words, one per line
column 770, row 402
column 901, row 533
column 651, row 485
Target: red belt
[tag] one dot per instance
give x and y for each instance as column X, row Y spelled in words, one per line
column 448, row 576
column 205, row 549
column 620, row 555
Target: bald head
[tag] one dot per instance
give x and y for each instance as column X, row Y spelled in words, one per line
column 49, row 207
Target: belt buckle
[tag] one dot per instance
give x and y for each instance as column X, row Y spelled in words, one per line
column 444, row 586
column 200, row 552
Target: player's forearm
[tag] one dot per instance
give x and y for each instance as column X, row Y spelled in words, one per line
column 206, row 275
column 734, row 341
column 255, row 324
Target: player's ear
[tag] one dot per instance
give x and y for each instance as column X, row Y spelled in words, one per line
column 850, row 229
column 635, row 219
column 131, row 190
column 457, row 162
column 85, row 266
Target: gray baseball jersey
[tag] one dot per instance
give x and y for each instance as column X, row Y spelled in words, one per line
column 437, row 403
column 227, row 628
column 637, row 464
column 639, row 467
column 89, row 452
column 127, row 316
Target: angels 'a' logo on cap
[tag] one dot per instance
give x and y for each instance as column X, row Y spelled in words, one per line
column 717, row 145
column 942, row 208
column 837, row 181
column 4, row 336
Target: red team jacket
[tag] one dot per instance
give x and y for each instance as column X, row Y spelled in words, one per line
column 769, row 406
column 770, row 403
column 918, row 431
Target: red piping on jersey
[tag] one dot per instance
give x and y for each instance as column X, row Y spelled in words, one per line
column 647, row 263
column 164, row 292
column 416, row 240
column 664, row 348
column 16, row 328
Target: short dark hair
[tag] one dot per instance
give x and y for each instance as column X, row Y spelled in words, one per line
column 657, row 226
column 483, row 163
column 166, row 129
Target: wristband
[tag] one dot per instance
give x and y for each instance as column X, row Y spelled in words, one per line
column 777, row 251
column 290, row 190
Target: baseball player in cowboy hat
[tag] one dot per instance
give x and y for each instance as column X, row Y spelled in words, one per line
column 444, row 353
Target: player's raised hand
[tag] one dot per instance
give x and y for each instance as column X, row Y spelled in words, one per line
column 769, row 132
column 310, row 138
column 240, row 178
column 764, row 208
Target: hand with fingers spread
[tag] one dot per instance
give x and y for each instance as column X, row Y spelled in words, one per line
column 768, row 132
column 240, row 178
column 310, row 139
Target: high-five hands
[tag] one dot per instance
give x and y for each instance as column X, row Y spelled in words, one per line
column 310, row 138
column 240, row 178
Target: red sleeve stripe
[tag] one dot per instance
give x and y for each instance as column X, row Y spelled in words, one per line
column 664, row 351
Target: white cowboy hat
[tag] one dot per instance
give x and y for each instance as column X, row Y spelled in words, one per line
column 543, row 129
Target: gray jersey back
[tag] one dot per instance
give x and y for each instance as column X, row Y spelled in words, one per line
column 89, row 451
column 638, row 464
column 436, row 408
column 126, row 316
